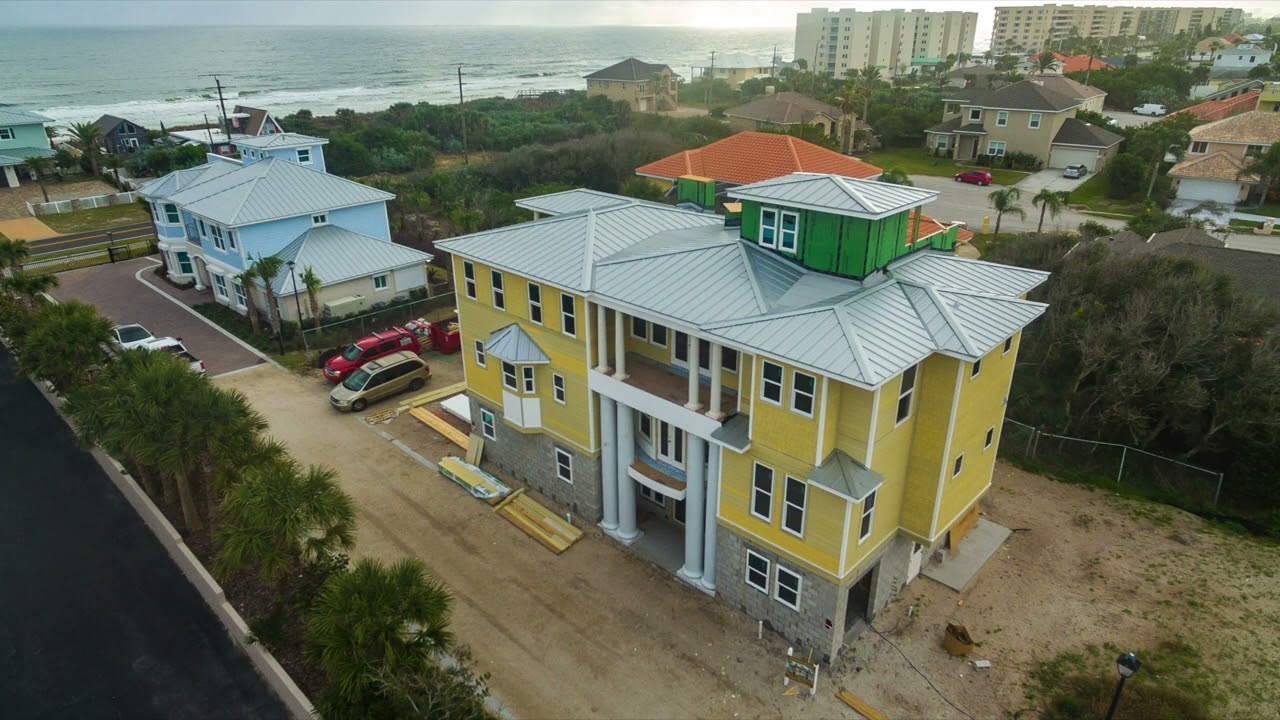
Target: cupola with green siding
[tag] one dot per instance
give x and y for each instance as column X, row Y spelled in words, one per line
column 839, row 225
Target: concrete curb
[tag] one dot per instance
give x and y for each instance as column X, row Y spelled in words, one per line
column 294, row 700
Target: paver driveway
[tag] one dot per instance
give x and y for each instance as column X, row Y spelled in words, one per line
column 120, row 295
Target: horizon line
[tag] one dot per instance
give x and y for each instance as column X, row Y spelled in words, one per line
column 348, row 26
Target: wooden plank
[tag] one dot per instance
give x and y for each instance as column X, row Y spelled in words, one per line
column 475, row 448
column 860, row 706
column 444, row 428
column 432, row 395
column 375, row 418
column 510, row 499
column 538, row 522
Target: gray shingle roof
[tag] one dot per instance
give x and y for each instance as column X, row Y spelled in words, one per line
column 974, row 128
column 337, row 255
column 946, row 126
column 1022, row 95
column 572, row 201
column 272, row 189
column 278, row 140
column 1079, row 132
column 1253, row 272
column 514, row 345
column 846, row 477
column 784, row 108
column 629, row 70
column 10, row 116
column 838, row 195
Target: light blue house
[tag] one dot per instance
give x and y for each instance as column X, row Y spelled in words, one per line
column 22, row 136
column 214, row 220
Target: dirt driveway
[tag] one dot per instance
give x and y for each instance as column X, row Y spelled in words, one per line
column 598, row 632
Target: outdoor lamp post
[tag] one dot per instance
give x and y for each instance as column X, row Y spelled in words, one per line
column 298, row 304
column 1127, row 665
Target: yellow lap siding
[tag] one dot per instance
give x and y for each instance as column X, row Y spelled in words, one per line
column 851, row 419
column 931, row 411
column 780, row 428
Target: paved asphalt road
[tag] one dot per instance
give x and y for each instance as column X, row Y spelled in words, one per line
column 91, row 237
column 95, row 619
column 960, row 201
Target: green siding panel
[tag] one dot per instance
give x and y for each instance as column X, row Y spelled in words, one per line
column 820, row 241
column 854, row 243
column 751, row 221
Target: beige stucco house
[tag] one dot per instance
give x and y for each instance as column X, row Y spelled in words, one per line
column 647, row 87
column 1212, row 168
column 783, row 110
column 1024, row 117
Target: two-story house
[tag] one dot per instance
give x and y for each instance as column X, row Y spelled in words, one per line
column 1213, row 167
column 247, row 120
column 22, row 135
column 1025, row 116
column 214, row 220
column 646, row 87
column 788, row 406
column 120, row 136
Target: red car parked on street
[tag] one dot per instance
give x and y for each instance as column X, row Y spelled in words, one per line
column 974, row 177
column 338, row 367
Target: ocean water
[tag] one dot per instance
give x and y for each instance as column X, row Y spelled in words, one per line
column 153, row 74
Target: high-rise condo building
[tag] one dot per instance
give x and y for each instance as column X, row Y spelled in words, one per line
column 836, row 41
column 1032, row 27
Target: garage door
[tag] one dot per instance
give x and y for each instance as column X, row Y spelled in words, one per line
column 414, row 276
column 1215, row 190
column 1061, row 157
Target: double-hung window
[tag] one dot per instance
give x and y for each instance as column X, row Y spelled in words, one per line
column 242, row 300
column 509, row 376
column 231, row 240
column 304, row 156
column 488, row 427
column 794, row 497
column 779, row 228
column 535, row 303
column 771, row 387
column 557, row 387
column 803, row 390
column 1034, row 122
column 469, row 279
column 526, row 375
column 790, row 231
column 568, row 315
column 380, row 282
column 768, row 227
column 499, row 296
column 480, row 356
column 6, row 133
column 906, row 392
column 1002, row 118
column 171, row 214
column 762, row 493
column 218, row 241
column 868, row 516
column 996, row 148
column 220, row 285
column 787, row 588
column 564, row 465
column 758, row 571
column 321, row 219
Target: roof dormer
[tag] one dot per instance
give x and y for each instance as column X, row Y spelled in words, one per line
column 296, row 148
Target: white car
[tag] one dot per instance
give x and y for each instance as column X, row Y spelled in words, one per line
column 1075, row 171
column 1152, row 109
column 175, row 346
column 128, row 337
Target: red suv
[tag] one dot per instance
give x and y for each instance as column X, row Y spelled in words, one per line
column 975, row 177
column 338, row 367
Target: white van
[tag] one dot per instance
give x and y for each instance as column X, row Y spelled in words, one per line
column 1153, row 109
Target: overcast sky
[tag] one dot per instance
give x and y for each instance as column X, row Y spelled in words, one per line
column 699, row 13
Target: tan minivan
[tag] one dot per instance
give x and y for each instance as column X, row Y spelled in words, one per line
column 379, row 379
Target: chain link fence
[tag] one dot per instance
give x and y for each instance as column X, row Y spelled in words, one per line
column 1155, row 476
column 346, row 330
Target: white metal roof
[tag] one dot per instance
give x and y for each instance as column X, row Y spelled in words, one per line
column 162, row 187
column 572, row 201
column 278, row 140
column 272, row 189
column 514, row 345
column 952, row 272
column 835, row 194
column 10, row 116
column 337, row 255
column 846, row 477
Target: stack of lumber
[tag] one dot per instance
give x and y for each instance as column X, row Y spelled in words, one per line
column 538, row 522
column 478, row 482
column 431, row 396
column 440, row 425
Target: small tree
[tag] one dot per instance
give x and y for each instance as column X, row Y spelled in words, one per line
column 1045, row 61
column 38, row 167
column 896, row 176
column 12, row 254
column 1005, row 203
column 1155, row 141
column 313, row 283
column 88, row 137
column 246, row 279
column 28, row 287
column 268, row 269
column 1266, row 166
column 63, row 343
column 114, row 163
column 1048, row 201
column 1125, row 175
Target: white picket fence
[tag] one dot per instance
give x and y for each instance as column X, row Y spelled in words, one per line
column 84, row 203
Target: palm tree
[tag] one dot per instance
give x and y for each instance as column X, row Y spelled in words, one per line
column 63, row 342
column 28, row 287
column 377, row 619
column 39, row 167
column 232, row 441
column 114, row 163
column 1004, row 201
column 313, row 282
column 1093, row 50
column 12, row 254
column 963, row 58
column 870, row 80
column 246, row 279
column 268, row 269
column 896, row 176
column 1200, row 74
column 1048, row 201
column 848, row 120
column 1266, row 166
column 280, row 517
column 1045, row 61
column 88, row 137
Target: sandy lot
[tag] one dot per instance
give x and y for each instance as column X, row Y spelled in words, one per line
column 597, row 632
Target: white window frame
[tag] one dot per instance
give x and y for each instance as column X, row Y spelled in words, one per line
column 481, row 358
column 528, row 379
column 942, row 142
column 789, row 482
column 320, row 219
column 557, row 389
column 497, row 289
column 1002, row 118
column 385, row 282
column 168, row 218
column 564, row 470
column 768, row 571
column 568, row 314
column 1008, row 345
column 6, row 133
column 990, row 438
column 219, row 241
column 1203, row 145
column 1035, row 121
column 778, row 586
column 220, row 286
column 510, row 380
column 304, row 155
column 975, row 114
column 242, row 298
column 755, row 490
column 797, row 393
column 957, row 467
column 469, row 279
column 909, row 394
column 783, row 245
column 644, row 328
column 996, row 148
column 771, row 242
column 976, row 369
column 766, row 383
column 232, row 244
column 488, row 424
column 535, row 305
column 867, row 517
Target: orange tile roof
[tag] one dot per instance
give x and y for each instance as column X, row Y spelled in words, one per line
column 1080, row 63
column 1212, row 110
column 749, row 157
column 930, row 226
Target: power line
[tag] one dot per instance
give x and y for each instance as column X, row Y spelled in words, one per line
column 913, row 667
column 226, row 121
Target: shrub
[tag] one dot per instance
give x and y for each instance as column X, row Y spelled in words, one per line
column 1127, row 175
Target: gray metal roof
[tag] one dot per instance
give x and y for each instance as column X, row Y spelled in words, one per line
column 556, row 250
column 835, row 194
column 337, row 254
column 166, row 185
column 10, row 116
column 278, row 140
column 272, row 189
column 514, row 345
column 950, row 272
column 846, row 477
column 734, row 433
column 19, row 155
column 572, row 201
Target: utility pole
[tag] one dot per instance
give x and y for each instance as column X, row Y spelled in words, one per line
column 773, row 62
column 226, row 121
column 462, row 117
column 711, row 79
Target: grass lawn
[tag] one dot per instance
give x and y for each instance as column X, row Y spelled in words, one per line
column 1095, row 192
column 1270, row 210
column 103, row 218
column 985, row 242
column 915, row 161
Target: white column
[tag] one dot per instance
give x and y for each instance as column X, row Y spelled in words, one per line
column 713, row 506
column 626, row 452
column 693, row 403
column 716, row 353
column 602, row 338
column 609, row 462
column 694, row 506
column 620, row 344
column 11, row 176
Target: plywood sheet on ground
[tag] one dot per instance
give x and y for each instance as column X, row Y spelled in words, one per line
column 860, row 706
column 441, row 426
column 26, row 229
column 538, row 522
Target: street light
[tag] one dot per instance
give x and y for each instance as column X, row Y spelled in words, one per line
column 1127, row 665
column 298, row 304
